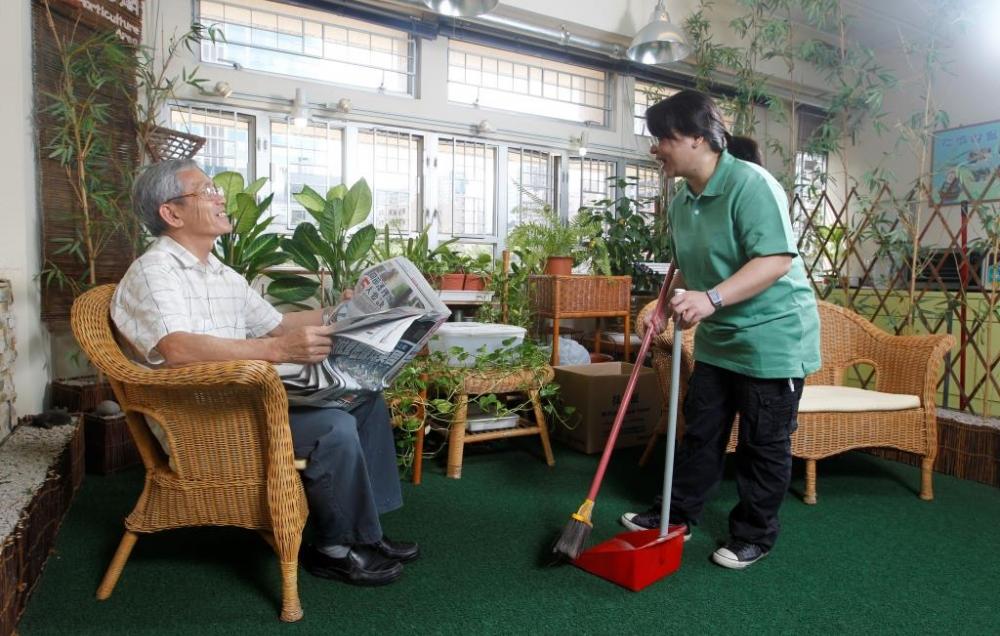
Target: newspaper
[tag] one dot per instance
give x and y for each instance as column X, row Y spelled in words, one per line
column 389, row 319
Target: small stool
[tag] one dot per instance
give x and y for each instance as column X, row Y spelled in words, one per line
column 500, row 381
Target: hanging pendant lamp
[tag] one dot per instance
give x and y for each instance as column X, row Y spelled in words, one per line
column 462, row 8
column 660, row 41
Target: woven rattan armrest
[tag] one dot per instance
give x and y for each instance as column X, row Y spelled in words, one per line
column 910, row 364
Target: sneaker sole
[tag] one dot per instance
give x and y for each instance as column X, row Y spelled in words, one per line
column 734, row 564
column 636, row 527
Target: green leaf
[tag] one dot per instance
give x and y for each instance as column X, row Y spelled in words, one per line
column 358, row 203
column 292, row 288
column 338, row 191
column 310, row 200
column 245, row 213
column 297, row 248
column 360, row 244
column 231, row 184
column 255, row 187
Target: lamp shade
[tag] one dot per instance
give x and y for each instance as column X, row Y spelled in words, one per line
column 462, row 8
column 660, row 41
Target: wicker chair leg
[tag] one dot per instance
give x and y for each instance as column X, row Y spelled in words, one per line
column 661, row 429
column 810, row 495
column 926, row 477
column 543, row 427
column 456, row 437
column 117, row 565
column 291, row 608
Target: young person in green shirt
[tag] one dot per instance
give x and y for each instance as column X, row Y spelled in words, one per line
column 758, row 327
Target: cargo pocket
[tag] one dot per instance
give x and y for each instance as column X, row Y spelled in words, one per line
column 776, row 407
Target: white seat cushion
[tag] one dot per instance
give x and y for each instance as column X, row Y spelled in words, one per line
column 846, row 399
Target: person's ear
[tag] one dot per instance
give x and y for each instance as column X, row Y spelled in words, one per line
column 169, row 216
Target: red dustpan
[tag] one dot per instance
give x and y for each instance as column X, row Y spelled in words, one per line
column 637, row 559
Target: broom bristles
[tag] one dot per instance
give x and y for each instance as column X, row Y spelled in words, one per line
column 574, row 536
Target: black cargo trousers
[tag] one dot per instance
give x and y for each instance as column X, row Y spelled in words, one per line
column 768, row 409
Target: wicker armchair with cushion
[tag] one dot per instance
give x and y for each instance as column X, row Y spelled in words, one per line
column 231, row 458
column 899, row 413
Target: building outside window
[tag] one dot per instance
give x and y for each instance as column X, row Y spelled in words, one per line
column 590, row 180
column 390, row 161
column 229, row 137
column 467, row 188
column 531, row 184
column 642, row 183
column 311, row 156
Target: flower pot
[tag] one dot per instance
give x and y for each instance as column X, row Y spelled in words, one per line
column 475, row 282
column 559, row 265
column 452, row 281
column 600, row 357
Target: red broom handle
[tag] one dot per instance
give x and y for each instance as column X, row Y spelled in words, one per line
column 633, row 378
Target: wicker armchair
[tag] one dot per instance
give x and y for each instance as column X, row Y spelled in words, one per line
column 904, row 366
column 227, row 426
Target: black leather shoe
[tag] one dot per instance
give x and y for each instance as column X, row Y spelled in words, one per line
column 399, row 550
column 363, row 565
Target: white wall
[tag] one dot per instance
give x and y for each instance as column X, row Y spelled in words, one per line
column 19, row 240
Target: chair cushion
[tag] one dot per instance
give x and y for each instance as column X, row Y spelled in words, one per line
column 847, row 399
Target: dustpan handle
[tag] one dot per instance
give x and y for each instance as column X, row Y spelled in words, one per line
column 668, row 469
column 633, row 378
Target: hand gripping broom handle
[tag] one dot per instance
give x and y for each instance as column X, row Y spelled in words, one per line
column 629, row 389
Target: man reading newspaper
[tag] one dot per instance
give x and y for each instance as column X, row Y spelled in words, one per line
column 178, row 305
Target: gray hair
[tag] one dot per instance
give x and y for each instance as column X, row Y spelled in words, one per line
column 156, row 185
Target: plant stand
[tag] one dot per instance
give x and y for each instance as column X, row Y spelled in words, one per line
column 562, row 297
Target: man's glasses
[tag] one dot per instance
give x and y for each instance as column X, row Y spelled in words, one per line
column 208, row 191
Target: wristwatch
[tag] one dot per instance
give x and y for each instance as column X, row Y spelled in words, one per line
column 713, row 295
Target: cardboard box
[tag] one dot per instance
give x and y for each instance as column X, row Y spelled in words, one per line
column 595, row 391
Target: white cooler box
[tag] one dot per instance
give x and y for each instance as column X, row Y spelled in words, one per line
column 471, row 336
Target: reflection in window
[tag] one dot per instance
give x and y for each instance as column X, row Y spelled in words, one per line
column 390, row 161
column 531, row 184
column 277, row 38
column 589, row 182
column 467, row 187
column 228, row 138
column 310, row 156
column 495, row 78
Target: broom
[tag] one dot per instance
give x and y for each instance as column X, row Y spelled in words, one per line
column 574, row 536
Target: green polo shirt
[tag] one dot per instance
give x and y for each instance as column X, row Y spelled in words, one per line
column 741, row 215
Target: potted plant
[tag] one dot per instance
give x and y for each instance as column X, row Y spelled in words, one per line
column 556, row 241
column 328, row 248
column 432, row 262
column 248, row 249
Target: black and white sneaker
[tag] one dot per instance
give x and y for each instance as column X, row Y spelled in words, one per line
column 650, row 520
column 737, row 555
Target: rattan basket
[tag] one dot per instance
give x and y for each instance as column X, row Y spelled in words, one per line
column 580, row 296
column 164, row 143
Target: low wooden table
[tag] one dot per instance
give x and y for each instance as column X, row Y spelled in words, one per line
column 500, row 382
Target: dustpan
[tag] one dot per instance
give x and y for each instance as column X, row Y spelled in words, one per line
column 640, row 558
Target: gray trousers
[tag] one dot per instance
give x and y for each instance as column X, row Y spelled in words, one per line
column 352, row 476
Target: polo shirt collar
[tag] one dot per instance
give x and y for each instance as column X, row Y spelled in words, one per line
column 186, row 258
column 718, row 181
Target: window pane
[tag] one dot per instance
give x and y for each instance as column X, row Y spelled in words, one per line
column 390, row 161
column 531, row 186
column 467, row 187
column 277, row 38
column 643, row 184
column 645, row 95
column 589, row 181
column 487, row 77
column 227, row 134
column 302, row 156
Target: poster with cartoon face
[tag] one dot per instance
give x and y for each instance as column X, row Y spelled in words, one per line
column 966, row 162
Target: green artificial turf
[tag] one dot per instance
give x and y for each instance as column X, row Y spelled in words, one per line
column 871, row 557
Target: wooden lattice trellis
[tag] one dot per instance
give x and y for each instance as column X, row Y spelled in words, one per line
column 915, row 264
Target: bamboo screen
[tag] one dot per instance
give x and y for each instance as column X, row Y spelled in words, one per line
column 914, row 264
column 57, row 201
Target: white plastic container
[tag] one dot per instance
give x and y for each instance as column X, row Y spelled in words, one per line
column 490, row 422
column 472, row 336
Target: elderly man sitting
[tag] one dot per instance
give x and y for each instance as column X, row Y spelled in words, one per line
column 178, row 304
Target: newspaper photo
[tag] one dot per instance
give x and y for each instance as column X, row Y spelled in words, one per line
column 388, row 320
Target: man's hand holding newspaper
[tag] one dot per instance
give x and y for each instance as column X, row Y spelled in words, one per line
column 386, row 322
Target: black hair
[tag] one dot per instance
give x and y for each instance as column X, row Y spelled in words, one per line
column 695, row 114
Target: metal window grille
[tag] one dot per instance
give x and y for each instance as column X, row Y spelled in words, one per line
column 467, row 187
column 228, row 138
column 532, row 184
column 310, row 156
column 310, row 45
column 390, row 161
column 643, row 184
column 589, row 182
column 487, row 77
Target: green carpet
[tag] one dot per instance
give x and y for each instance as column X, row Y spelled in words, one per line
column 870, row 557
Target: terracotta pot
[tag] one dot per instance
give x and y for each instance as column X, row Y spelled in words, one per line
column 475, row 282
column 559, row 265
column 600, row 357
column 452, row 281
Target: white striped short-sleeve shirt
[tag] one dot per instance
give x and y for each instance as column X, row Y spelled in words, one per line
column 168, row 289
